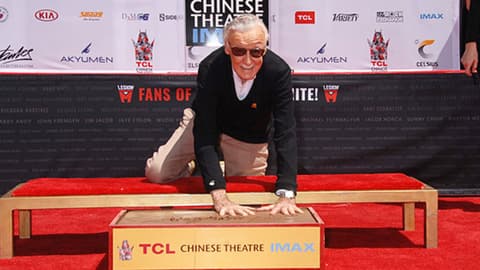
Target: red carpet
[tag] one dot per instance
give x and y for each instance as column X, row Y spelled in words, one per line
column 194, row 184
column 358, row 236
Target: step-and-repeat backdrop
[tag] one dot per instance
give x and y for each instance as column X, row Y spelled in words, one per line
column 426, row 125
column 152, row 36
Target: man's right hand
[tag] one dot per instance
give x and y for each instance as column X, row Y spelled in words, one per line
column 470, row 58
column 225, row 207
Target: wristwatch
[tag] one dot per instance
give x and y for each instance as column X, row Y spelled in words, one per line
column 285, row 193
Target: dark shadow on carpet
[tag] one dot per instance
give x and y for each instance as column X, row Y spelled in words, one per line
column 341, row 238
column 62, row 244
column 466, row 206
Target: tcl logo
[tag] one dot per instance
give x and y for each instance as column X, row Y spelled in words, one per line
column 46, row 15
column 305, row 17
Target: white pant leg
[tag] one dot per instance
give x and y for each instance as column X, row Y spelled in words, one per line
column 243, row 159
column 171, row 160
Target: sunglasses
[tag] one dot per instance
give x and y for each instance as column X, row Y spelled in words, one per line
column 256, row 53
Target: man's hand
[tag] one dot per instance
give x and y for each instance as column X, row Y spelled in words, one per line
column 470, row 58
column 285, row 206
column 224, row 206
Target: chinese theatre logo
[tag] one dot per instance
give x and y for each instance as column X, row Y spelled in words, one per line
column 143, row 52
column 378, row 52
column 125, row 251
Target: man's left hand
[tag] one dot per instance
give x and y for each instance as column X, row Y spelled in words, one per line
column 285, row 206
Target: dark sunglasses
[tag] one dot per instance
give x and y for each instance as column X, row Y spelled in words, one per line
column 257, row 52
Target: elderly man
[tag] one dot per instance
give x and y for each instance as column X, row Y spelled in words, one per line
column 243, row 91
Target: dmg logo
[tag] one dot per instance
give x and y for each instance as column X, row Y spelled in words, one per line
column 46, row 15
column 292, row 247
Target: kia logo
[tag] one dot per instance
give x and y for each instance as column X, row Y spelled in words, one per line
column 46, row 15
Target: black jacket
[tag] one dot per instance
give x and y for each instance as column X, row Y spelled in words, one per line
column 218, row 110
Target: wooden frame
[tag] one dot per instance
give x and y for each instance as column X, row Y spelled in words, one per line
column 24, row 204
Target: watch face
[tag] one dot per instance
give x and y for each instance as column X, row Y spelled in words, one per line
column 289, row 194
column 286, row 194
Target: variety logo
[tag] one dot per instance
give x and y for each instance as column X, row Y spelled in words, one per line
column 46, row 15
column 319, row 58
column 345, row 17
column 378, row 52
column 91, row 15
column 421, row 51
column 136, row 16
column 3, row 14
column 84, row 58
column 143, row 52
column 390, row 16
column 305, row 17
column 331, row 91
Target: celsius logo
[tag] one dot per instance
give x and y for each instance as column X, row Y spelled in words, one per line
column 46, row 15
column 3, row 14
column 424, row 55
column 305, row 17
column 422, row 46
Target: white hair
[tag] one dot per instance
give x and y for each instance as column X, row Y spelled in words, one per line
column 243, row 23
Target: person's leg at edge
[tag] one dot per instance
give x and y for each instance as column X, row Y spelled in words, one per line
column 243, row 159
column 173, row 160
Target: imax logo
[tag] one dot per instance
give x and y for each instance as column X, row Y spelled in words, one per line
column 431, row 16
column 292, row 247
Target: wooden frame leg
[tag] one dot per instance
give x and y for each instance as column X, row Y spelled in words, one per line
column 25, row 224
column 6, row 232
column 431, row 222
column 409, row 216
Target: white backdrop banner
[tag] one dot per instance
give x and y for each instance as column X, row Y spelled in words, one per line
column 151, row 36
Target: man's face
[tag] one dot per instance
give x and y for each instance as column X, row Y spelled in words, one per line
column 250, row 43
